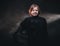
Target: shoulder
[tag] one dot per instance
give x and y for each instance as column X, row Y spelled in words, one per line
column 43, row 20
column 28, row 18
column 40, row 18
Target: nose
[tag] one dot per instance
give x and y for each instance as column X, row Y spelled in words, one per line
column 35, row 11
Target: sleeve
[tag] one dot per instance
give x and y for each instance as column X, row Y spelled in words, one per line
column 20, row 34
column 24, row 24
column 44, row 32
column 44, row 23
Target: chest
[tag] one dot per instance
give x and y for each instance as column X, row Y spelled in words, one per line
column 35, row 21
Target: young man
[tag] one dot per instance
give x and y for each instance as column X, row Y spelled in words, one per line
column 33, row 30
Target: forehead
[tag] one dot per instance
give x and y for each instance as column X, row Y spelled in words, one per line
column 35, row 8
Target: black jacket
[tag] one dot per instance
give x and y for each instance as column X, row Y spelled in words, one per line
column 32, row 32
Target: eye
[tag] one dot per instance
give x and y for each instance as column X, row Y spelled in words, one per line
column 32, row 10
column 36, row 10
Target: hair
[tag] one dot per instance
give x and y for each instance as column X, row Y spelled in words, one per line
column 32, row 6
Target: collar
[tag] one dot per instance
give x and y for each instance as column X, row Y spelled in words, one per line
column 35, row 16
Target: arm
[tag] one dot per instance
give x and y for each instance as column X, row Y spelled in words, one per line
column 44, row 25
column 44, row 31
column 19, row 35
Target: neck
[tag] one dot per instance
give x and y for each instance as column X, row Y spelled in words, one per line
column 35, row 16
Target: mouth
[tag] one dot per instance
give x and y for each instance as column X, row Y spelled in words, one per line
column 34, row 13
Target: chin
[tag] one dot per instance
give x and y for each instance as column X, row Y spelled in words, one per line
column 35, row 15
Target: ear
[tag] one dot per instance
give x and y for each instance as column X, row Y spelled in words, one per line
column 29, row 12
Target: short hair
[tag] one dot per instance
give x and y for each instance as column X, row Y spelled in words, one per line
column 32, row 6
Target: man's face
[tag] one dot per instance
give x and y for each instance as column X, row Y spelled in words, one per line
column 34, row 11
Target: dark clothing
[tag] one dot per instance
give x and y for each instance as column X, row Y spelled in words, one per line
column 32, row 32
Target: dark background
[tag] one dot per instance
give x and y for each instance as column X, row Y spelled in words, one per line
column 11, row 12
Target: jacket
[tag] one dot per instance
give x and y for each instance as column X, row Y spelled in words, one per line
column 32, row 32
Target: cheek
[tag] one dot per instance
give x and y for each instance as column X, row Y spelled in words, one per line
column 37, row 11
column 32, row 12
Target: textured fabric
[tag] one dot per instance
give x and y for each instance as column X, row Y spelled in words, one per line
column 32, row 32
